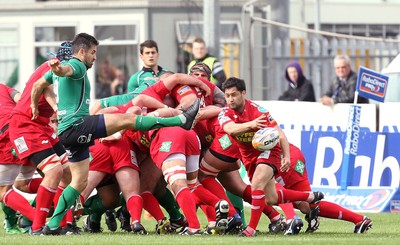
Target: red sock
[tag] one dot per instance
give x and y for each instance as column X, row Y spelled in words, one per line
column 288, row 209
column 257, row 205
column 68, row 218
column 34, row 184
column 134, row 204
column 151, row 205
column 267, row 210
column 334, row 211
column 209, row 211
column 17, row 202
column 44, row 198
column 285, row 196
column 185, row 200
column 59, row 191
column 213, row 185
column 204, row 195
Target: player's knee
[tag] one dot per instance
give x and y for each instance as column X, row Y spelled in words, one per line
column 207, row 169
column 175, row 176
column 51, row 162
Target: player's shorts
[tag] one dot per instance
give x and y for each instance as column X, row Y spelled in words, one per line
column 297, row 172
column 110, row 157
column 117, row 100
column 271, row 158
column 30, row 136
column 81, row 135
column 206, row 137
column 172, row 140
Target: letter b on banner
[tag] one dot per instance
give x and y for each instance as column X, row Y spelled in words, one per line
column 351, row 146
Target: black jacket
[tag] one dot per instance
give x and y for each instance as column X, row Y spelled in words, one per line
column 343, row 92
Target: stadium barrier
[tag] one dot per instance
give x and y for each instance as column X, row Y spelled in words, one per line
column 320, row 132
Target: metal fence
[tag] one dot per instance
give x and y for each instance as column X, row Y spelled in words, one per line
column 270, row 56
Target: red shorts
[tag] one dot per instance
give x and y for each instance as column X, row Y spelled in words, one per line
column 272, row 157
column 173, row 140
column 225, row 145
column 110, row 157
column 6, row 151
column 297, row 172
column 30, row 136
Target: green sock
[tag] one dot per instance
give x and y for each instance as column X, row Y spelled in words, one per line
column 238, row 204
column 10, row 216
column 33, row 202
column 67, row 199
column 94, row 205
column 144, row 123
column 167, row 201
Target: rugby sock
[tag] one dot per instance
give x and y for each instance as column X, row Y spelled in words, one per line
column 185, row 200
column 209, row 211
column 66, row 200
column 288, row 209
column 203, row 196
column 135, row 207
column 268, row 210
column 211, row 183
column 59, row 191
column 334, row 211
column 94, row 205
column 34, row 184
column 10, row 216
column 285, row 196
column 257, row 206
column 151, row 205
column 44, row 199
column 168, row 202
column 17, row 202
column 145, row 123
column 237, row 205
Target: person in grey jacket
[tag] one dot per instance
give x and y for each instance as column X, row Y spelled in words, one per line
column 300, row 88
column 343, row 87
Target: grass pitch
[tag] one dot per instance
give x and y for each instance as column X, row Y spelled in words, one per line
column 385, row 230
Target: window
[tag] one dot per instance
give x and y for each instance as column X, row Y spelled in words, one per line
column 9, row 54
column 230, row 39
column 48, row 39
column 116, row 58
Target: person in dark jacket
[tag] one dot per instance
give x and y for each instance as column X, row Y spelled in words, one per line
column 300, row 88
column 344, row 85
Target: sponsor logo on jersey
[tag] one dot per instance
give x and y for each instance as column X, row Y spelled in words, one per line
column 245, row 137
column 184, row 90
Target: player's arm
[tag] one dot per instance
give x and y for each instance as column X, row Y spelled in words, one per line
column 60, row 70
column 233, row 128
column 284, row 144
column 208, row 112
column 15, row 95
column 184, row 79
column 48, row 94
column 37, row 90
column 219, row 98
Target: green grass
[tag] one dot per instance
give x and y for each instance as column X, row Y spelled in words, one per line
column 385, row 230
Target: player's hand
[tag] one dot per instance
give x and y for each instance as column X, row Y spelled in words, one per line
column 55, row 65
column 35, row 112
column 260, row 122
column 285, row 164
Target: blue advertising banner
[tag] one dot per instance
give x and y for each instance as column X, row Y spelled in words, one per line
column 376, row 165
column 350, row 151
column 371, row 85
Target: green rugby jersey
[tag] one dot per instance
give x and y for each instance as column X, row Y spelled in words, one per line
column 72, row 94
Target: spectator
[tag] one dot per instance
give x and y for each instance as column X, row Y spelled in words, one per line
column 108, row 80
column 200, row 54
column 300, row 88
column 343, row 87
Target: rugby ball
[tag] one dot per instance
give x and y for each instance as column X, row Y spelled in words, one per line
column 265, row 139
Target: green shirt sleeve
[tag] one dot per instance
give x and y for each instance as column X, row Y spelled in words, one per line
column 49, row 77
column 79, row 69
column 133, row 82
